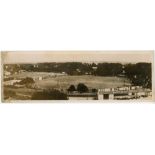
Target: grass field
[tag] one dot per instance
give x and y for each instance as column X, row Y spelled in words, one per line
column 89, row 80
column 65, row 81
column 57, row 81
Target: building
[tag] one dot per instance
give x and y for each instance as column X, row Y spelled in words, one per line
column 123, row 93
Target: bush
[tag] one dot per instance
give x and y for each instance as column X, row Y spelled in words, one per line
column 49, row 95
column 9, row 93
column 27, row 80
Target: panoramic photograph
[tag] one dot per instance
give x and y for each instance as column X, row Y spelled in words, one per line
column 76, row 75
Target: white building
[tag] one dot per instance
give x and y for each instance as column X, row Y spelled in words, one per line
column 133, row 92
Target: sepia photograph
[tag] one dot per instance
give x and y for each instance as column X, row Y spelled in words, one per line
column 76, row 75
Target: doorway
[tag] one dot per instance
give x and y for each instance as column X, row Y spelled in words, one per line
column 106, row 96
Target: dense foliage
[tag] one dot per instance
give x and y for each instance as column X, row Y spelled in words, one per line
column 109, row 69
column 49, row 95
column 139, row 74
column 71, row 68
column 26, row 80
column 9, row 93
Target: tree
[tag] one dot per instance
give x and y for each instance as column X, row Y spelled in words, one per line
column 27, row 80
column 71, row 88
column 82, row 88
column 139, row 74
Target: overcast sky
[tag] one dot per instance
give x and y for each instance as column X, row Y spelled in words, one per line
column 75, row 56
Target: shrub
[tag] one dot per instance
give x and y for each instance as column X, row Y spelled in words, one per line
column 9, row 93
column 49, row 95
column 27, row 80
